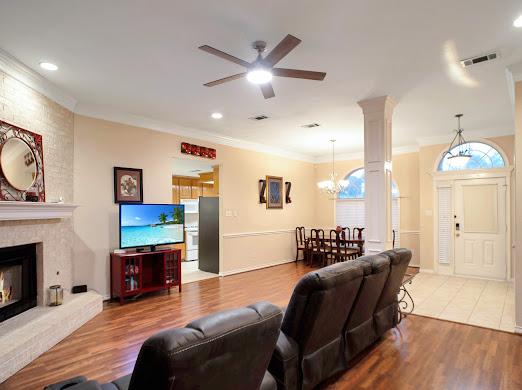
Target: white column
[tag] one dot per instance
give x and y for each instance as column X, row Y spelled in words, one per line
column 377, row 168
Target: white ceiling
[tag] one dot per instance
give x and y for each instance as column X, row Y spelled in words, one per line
column 139, row 59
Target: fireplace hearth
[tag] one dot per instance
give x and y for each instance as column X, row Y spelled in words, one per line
column 18, row 291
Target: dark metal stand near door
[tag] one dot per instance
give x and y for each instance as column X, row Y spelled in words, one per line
column 209, row 234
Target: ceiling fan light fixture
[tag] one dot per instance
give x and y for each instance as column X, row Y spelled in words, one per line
column 259, row 76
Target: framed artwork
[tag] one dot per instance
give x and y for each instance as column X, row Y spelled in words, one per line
column 274, row 188
column 128, row 185
column 21, row 164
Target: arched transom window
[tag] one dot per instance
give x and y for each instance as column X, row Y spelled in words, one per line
column 483, row 156
column 350, row 205
column 356, row 187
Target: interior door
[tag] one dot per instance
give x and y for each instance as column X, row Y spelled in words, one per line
column 480, row 227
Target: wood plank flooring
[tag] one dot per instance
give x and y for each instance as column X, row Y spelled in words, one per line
column 422, row 353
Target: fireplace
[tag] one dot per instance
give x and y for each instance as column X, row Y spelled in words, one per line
column 17, row 280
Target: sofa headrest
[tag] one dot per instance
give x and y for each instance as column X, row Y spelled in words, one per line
column 329, row 277
column 405, row 254
column 376, row 263
column 220, row 323
column 398, row 256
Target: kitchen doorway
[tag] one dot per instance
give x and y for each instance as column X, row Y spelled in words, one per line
column 192, row 181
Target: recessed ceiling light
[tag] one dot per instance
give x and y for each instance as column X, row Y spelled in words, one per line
column 48, row 66
column 217, row 115
column 518, row 22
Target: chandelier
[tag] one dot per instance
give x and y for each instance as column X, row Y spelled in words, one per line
column 462, row 156
column 332, row 186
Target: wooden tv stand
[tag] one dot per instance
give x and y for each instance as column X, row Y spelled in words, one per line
column 141, row 272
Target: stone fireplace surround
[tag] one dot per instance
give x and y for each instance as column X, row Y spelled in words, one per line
column 33, row 332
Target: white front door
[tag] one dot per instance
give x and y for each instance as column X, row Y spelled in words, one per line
column 480, row 227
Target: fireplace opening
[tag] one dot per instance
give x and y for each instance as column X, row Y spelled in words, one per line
column 17, row 280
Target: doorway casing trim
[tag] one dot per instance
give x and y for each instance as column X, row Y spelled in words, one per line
column 447, row 179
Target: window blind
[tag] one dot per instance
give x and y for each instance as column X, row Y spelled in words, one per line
column 351, row 213
column 445, row 224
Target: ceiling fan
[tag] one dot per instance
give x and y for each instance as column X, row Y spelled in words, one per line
column 262, row 69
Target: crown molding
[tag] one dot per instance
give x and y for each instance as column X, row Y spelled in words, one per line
column 360, row 155
column 103, row 113
column 21, row 72
column 470, row 135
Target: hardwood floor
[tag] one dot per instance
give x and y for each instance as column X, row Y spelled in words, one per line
column 422, row 353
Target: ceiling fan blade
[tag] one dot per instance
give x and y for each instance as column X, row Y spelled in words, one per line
column 268, row 91
column 225, row 56
column 298, row 74
column 282, row 49
column 225, row 79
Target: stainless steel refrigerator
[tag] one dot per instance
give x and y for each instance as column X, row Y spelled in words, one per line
column 209, row 234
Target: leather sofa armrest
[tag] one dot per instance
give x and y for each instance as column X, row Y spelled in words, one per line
column 284, row 363
column 86, row 385
column 66, row 384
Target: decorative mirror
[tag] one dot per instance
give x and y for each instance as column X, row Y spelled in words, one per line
column 21, row 164
column 18, row 164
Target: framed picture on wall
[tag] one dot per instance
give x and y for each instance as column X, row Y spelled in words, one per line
column 128, row 185
column 274, row 188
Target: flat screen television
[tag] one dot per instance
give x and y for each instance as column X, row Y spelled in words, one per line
column 149, row 225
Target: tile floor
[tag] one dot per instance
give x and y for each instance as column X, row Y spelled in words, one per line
column 190, row 272
column 486, row 303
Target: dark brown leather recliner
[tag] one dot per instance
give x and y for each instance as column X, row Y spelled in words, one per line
column 385, row 315
column 310, row 348
column 226, row 350
column 334, row 314
column 360, row 329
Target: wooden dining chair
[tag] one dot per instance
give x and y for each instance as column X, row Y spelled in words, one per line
column 358, row 235
column 340, row 249
column 317, row 248
column 301, row 243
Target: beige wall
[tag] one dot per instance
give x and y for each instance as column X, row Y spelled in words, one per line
column 253, row 238
column 428, row 155
column 26, row 108
column 405, row 174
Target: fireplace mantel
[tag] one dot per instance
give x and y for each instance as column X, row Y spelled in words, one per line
column 17, row 211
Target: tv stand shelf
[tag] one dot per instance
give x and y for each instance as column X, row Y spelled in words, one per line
column 141, row 272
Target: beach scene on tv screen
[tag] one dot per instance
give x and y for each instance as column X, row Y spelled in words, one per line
column 144, row 225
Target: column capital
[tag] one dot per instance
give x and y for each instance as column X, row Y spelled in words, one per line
column 384, row 104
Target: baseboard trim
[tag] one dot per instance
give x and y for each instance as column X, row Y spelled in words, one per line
column 518, row 329
column 255, row 267
column 426, row 271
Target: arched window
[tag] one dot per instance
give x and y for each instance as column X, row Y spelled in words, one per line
column 356, row 187
column 350, row 207
column 483, row 156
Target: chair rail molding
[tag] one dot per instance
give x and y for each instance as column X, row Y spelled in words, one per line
column 259, row 233
column 20, row 211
